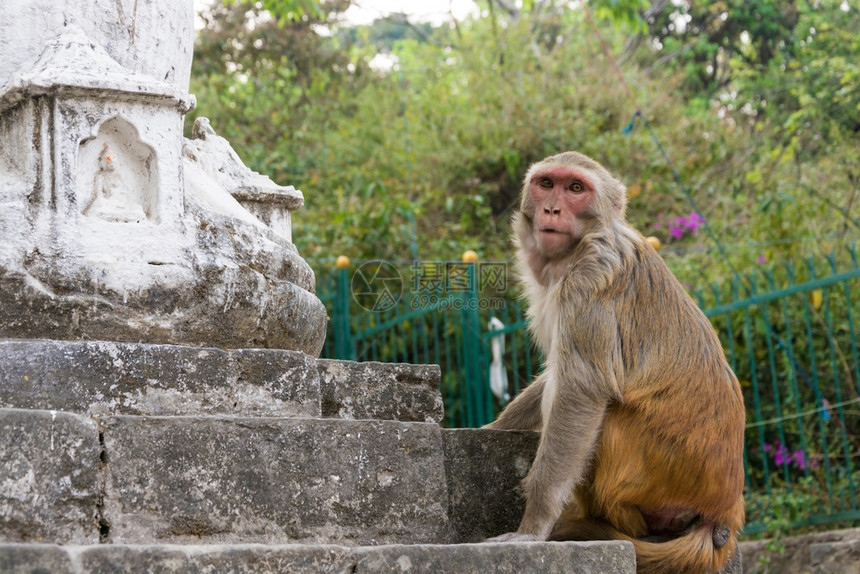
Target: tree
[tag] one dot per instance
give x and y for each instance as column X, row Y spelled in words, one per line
column 267, row 80
column 431, row 149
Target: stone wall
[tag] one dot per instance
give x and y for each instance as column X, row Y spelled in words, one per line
column 834, row 552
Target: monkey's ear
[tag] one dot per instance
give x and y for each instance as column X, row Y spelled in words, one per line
column 526, row 205
column 521, row 219
column 619, row 199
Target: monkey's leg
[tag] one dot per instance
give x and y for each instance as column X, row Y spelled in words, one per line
column 623, row 516
column 524, row 412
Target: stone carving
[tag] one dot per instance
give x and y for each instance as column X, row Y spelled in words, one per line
column 107, row 231
column 271, row 203
column 111, row 199
column 117, row 173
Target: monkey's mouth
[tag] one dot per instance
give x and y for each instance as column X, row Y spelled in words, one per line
column 550, row 230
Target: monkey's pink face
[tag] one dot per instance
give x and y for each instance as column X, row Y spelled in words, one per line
column 560, row 197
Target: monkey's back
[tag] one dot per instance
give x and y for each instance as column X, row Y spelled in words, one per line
column 676, row 436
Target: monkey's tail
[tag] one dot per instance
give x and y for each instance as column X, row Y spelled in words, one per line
column 692, row 553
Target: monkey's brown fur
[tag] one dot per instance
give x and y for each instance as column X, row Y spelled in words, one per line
column 641, row 417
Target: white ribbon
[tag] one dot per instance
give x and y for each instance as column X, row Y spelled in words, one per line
column 498, row 374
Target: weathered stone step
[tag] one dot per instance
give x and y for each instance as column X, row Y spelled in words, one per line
column 213, row 480
column 70, row 479
column 102, row 378
column 833, row 551
column 513, row 558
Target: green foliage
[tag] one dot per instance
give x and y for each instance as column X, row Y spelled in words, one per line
column 286, row 10
column 788, row 505
column 628, row 13
column 261, row 97
column 401, row 132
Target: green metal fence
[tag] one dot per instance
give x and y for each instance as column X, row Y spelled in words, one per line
column 789, row 332
column 443, row 323
column 790, row 335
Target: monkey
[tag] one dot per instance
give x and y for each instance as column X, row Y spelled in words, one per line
column 641, row 418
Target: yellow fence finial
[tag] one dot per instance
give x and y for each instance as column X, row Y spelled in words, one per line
column 342, row 262
column 469, row 256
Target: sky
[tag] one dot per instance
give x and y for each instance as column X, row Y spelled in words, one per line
column 366, row 11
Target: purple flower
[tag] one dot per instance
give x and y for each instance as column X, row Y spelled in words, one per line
column 680, row 225
column 762, row 259
column 779, row 457
column 799, row 459
column 693, row 222
column 696, row 219
column 782, row 456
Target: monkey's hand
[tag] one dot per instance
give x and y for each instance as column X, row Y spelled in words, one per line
column 515, row 537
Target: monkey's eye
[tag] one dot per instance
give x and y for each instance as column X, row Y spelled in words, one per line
column 576, row 187
column 545, row 182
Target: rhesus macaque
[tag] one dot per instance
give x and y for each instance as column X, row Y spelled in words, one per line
column 641, row 417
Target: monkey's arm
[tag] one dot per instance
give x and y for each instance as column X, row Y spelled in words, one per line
column 582, row 376
column 524, row 411
column 567, row 444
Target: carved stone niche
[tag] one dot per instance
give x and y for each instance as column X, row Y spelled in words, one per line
column 97, row 125
column 107, row 231
column 117, row 174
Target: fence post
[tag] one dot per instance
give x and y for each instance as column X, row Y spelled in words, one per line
column 476, row 415
column 343, row 346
